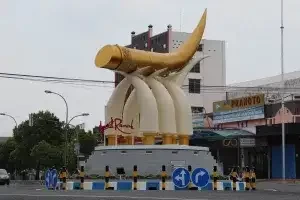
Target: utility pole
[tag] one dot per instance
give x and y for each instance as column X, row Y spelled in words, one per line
column 282, row 96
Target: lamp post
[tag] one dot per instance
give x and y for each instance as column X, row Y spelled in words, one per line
column 4, row 114
column 66, row 122
column 80, row 115
column 282, row 96
column 77, row 138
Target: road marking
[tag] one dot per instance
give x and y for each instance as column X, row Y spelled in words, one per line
column 273, row 190
column 96, row 196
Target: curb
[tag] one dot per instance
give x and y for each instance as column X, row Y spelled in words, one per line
column 149, row 185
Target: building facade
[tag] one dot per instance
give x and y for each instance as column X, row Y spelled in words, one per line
column 269, row 86
column 209, row 72
column 263, row 118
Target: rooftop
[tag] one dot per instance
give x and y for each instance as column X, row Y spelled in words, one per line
column 268, row 80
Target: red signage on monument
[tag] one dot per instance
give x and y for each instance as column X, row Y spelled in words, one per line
column 117, row 124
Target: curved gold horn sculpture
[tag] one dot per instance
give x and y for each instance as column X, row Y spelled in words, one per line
column 115, row 57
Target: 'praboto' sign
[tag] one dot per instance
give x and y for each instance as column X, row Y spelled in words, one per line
column 240, row 109
column 239, row 103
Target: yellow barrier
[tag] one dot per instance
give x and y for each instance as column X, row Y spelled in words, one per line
column 163, row 177
column 135, row 177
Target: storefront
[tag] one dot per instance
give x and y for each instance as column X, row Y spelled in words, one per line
column 273, row 135
column 230, row 147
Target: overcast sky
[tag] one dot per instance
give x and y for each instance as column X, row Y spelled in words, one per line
column 62, row 37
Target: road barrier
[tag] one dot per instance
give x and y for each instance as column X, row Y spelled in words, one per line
column 135, row 177
column 163, row 177
column 215, row 178
column 81, row 175
column 190, row 171
column 107, row 175
column 64, row 178
column 149, row 185
column 182, row 179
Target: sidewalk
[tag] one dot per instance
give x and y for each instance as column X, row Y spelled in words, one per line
column 295, row 181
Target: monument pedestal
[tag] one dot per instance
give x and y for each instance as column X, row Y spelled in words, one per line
column 167, row 138
column 174, row 139
column 183, row 139
column 129, row 140
column 111, row 140
column 149, row 138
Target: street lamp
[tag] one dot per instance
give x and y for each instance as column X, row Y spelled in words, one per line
column 80, row 115
column 4, row 114
column 77, row 138
column 66, row 122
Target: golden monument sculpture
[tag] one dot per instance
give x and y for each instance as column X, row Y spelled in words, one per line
column 157, row 105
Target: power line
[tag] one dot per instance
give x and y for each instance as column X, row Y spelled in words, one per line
column 54, row 78
column 101, row 83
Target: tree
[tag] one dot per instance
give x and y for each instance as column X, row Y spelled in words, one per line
column 17, row 158
column 5, row 151
column 42, row 145
column 99, row 136
column 46, row 155
column 87, row 141
column 46, row 135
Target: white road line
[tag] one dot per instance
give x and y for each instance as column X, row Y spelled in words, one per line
column 96, row 196
column 273, row 190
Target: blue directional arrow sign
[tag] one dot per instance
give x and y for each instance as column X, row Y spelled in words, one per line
column 200, row 177
column 48, row 178
column 54, row 178
column 181, row 177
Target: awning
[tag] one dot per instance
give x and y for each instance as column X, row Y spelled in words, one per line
column 215, row 134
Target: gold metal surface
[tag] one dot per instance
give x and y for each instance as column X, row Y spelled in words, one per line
column 115, row 57
column 183, row 139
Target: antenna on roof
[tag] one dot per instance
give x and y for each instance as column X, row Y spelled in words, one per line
column 180, row 19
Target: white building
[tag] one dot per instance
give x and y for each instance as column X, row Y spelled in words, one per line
column 209, row 72
column 270, row 86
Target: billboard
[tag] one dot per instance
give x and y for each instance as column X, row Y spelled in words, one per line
column 240, row 109
column 198, row 121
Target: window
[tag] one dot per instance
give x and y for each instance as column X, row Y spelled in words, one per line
column 200, row 47
column 196, row 68
column 194, row 86
column 148, row 152
column 197, row 109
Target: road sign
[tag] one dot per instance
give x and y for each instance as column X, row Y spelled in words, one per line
column 200, row 177
column 48, row 178
column 181, row 177
column 54, row 178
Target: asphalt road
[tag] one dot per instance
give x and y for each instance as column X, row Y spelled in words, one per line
column 36, row 192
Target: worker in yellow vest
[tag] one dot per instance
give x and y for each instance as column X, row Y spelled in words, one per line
column 246, row 177
column 253, row 179
column 233, row 177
